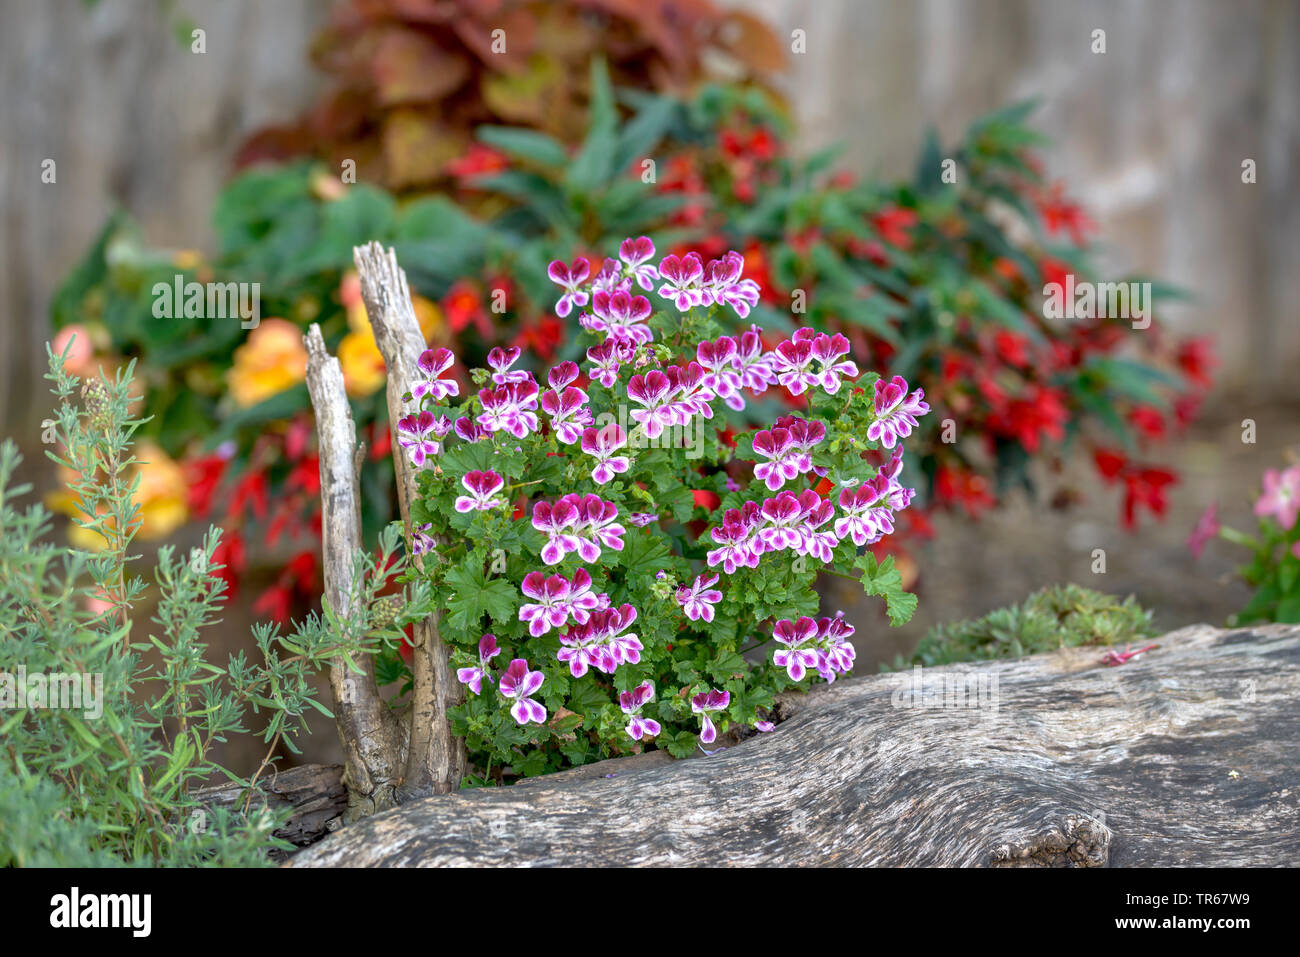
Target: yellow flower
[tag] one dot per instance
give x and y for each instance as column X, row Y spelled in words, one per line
column 427, row 312
column 161, row 497
column 162, row 492
column 273, row 359
column 362, row 364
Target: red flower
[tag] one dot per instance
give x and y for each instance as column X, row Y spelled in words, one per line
column 463, row 305
column 274, row 603
column 1109, row 463
column 296, row 438
column 1145, row 487
column 953, row 485
column 706, row 499
column 203, row 476
column 305, row 475
column 542, row 336
column 1011, row 348
column 893, row 223
column 1060, row 213
column 252, row 490
column 407, row 648
column 301, row 571
column 1054, row 271
column 479, row 160
column 381, row 441
column 1148, row 421
column 230, row 556
column 1196, row 358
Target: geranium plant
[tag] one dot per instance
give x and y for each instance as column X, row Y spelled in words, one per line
column 1274, row 567
column 595, row 601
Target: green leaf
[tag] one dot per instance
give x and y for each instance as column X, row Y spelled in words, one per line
column 592, row 167
column 530, row 145
column 475, row 595
column 884, row 580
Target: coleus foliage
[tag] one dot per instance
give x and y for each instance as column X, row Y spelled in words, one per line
column 595, row 602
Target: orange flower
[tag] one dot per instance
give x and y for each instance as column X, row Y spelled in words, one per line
column 273, row 359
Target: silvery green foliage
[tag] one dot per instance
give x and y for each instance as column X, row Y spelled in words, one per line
column 102, row 767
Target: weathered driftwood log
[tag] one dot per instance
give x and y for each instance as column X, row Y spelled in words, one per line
column 373, row 737
column 436, row 758
column 314, row 792
column 1185, row 755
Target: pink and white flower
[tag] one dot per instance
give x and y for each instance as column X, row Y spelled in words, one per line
column 500, row 360
column 483, row 488
column 707, row 703
column 605, row 360
column 511, row 408
column 603, row 444
column 631, row 703
column 835, row 653
column 752, row 364
column 718, row 359
column 475, row 676
column 601, row 642
column 799, row 654
column 636, row 255
column 681, row 280
column 620, row 316
column 518, row 684
column 654, row 393
column 697, row 599
column 419, row 433
column 569, row 278
column 792, row 362
column 431, row 364
column 829, row 351
column 569, row 413
column 896, row 411
column 778, row 448
column 867, row 516
column 578, row 523
column 550, row 606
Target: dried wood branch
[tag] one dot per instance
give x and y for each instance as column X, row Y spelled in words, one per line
column 1185, row 755
column 373, row 737
column 436, row 758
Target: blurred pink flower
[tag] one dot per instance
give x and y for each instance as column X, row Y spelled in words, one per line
column 1207, row 526
column 1281, row 497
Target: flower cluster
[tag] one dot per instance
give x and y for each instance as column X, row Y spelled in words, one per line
column 578, row 523
column 557, row 475
column 821, row 644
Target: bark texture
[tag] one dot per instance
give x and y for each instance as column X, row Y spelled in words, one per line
column 314, row 792
column 374, row 739
column 436, row 758
column 1186, row 755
